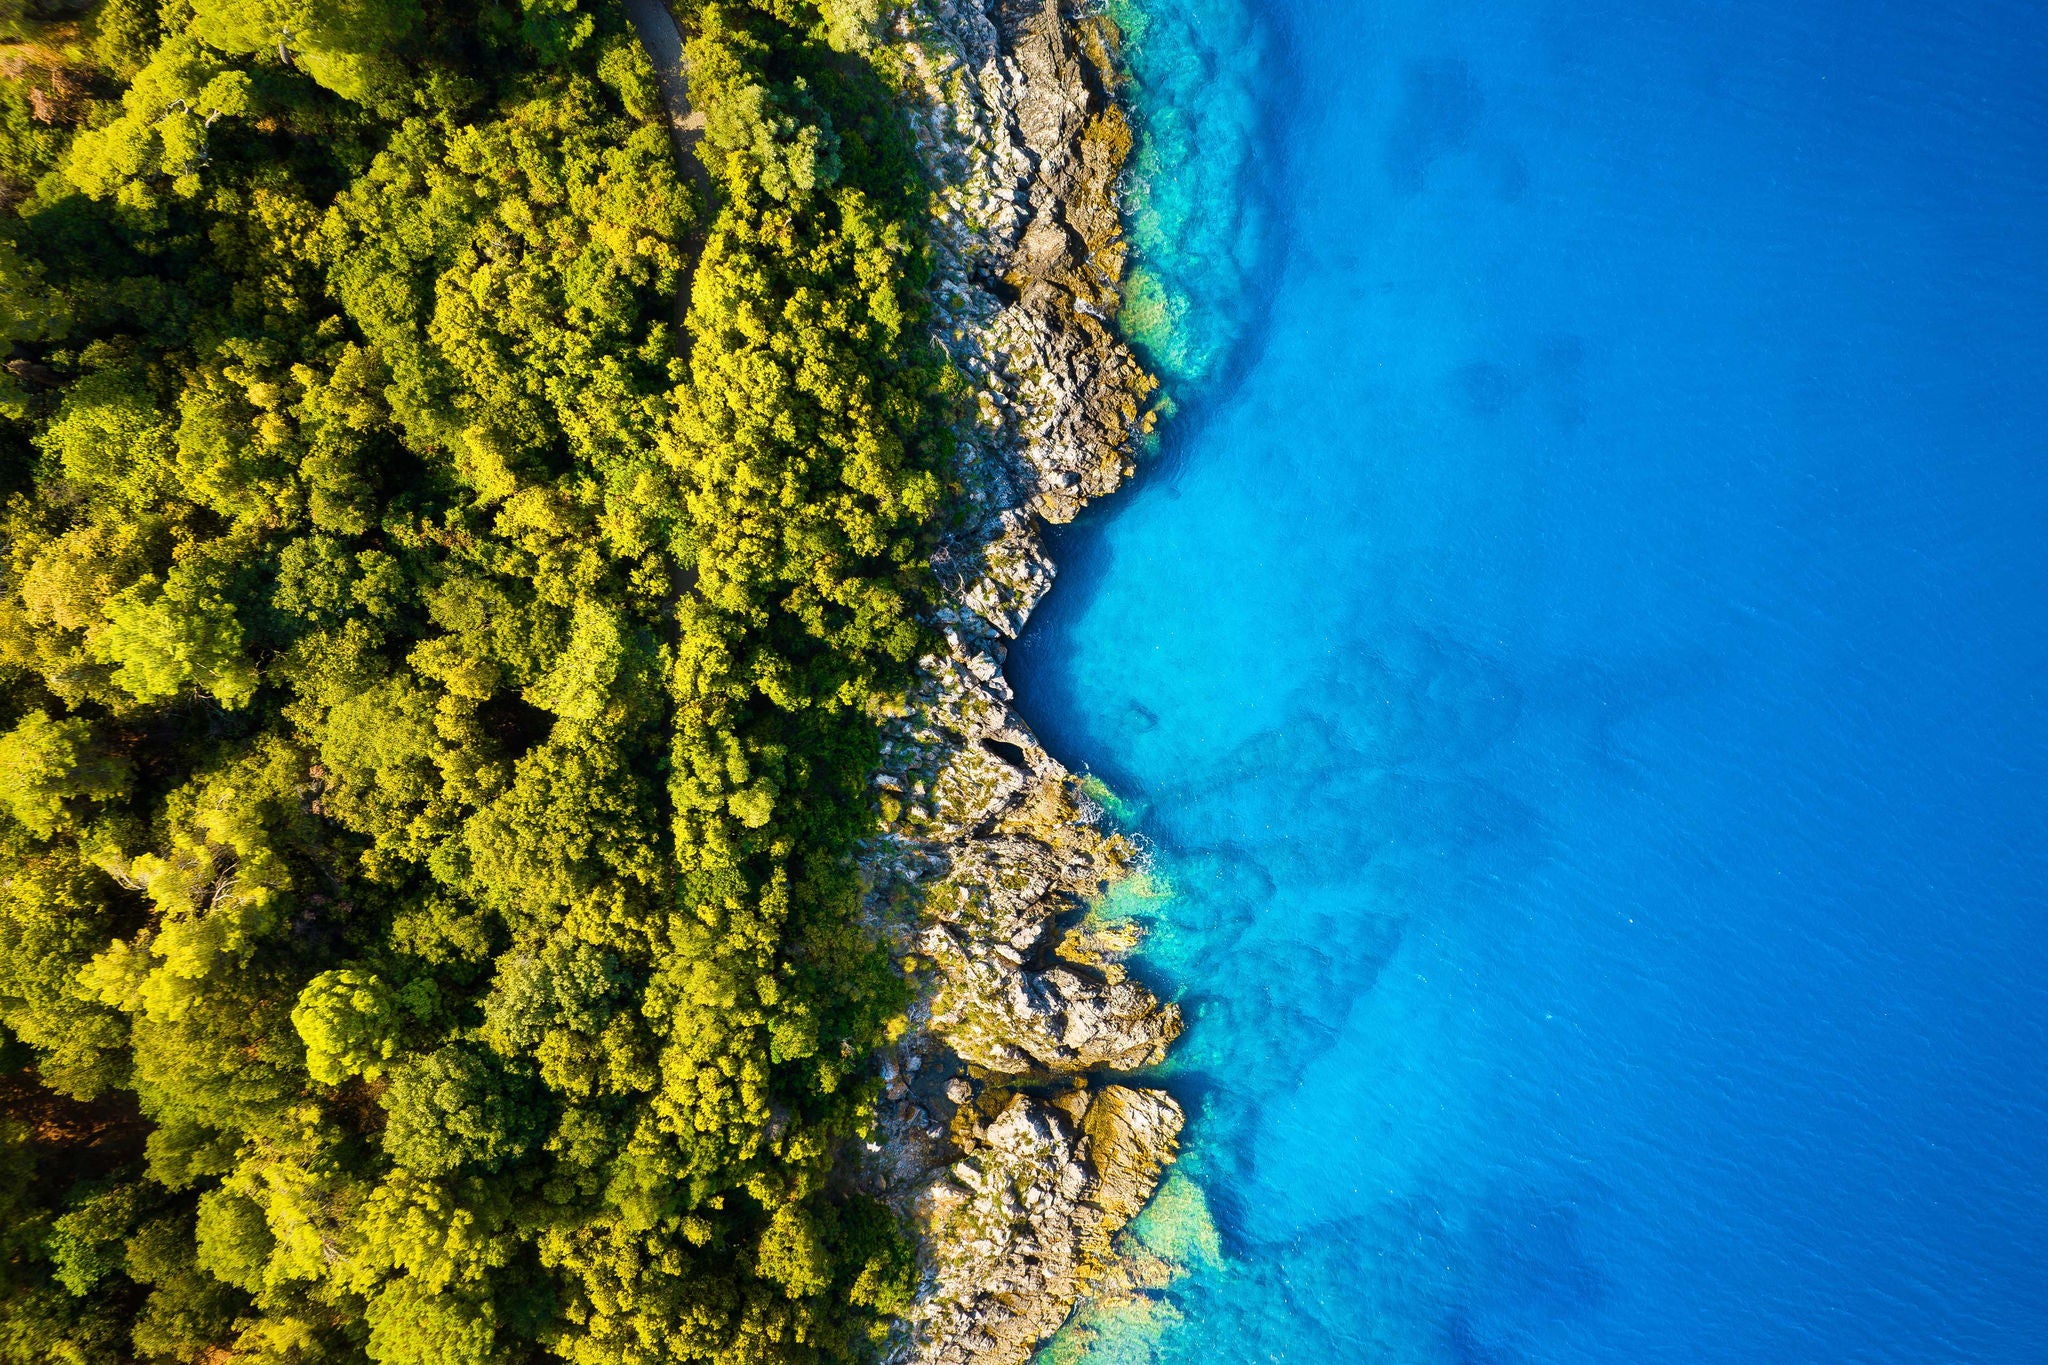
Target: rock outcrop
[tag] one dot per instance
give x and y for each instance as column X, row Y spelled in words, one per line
column 1017, row 1164
column 1032, row 1214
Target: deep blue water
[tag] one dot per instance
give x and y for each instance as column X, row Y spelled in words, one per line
column 1578, row 657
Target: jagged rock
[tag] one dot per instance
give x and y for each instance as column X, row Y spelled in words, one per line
column 1002, row 892
column 1021, row 1229
column 1131, row 1136
column 990, row 842
column 1015, row 574
column 995, row 1014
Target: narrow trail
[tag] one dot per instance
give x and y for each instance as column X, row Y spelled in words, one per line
column 663, row 39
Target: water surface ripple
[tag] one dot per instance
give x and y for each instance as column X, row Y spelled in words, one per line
column 1578, row 658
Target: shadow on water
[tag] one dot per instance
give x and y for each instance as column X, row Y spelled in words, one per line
column 1238, row 312
column 1384, row 794
column 1440, row 108
column 1296, row 856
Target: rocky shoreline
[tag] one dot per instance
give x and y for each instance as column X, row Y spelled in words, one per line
column 999, row 1134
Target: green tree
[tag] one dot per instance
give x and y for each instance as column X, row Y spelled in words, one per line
column 162, row 140
column 435, row 715
column 349, row 1020
column 349, row 46
column 47, row 767
column 165, row 636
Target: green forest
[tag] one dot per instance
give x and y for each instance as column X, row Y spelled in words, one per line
column 439, row 679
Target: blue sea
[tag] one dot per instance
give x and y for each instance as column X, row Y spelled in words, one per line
column 1577, row 657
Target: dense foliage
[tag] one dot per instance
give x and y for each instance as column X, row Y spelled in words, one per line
column 436, row 696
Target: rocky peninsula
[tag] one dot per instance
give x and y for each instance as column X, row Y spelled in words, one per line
column 999, row 1135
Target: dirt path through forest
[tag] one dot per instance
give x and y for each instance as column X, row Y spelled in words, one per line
column 663, row 40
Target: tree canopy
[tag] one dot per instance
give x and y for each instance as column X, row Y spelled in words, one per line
column 437, row 695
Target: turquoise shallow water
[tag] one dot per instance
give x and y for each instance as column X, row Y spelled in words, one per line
column 1577, row 658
